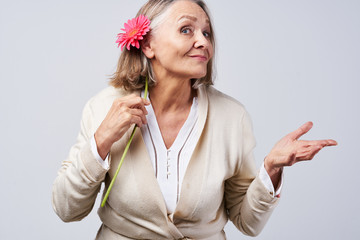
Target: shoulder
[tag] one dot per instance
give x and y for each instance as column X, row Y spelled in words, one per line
column 229, row 123
column 223, row 103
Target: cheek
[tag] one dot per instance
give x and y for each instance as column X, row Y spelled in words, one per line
column 211, row 51
column 173, row 50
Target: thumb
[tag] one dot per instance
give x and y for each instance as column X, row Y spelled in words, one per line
column 295, row 135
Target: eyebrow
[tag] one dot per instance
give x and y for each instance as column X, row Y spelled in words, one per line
column 192, row 18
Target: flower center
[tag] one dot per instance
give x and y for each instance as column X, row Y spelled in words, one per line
column 133, row 32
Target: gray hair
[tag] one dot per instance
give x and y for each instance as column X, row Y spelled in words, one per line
column 133, row 66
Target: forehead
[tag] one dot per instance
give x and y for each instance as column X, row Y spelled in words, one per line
column 182, row 10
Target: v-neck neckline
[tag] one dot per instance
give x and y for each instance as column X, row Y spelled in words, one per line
column 194, row 174
column 183, row 132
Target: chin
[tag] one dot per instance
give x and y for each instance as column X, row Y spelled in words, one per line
column 199, row 74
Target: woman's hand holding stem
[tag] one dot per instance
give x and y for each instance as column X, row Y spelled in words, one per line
column 123, row 113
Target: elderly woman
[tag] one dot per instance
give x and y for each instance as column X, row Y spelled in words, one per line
column 191, row 166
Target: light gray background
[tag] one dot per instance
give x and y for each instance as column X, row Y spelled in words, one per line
column 287, row 61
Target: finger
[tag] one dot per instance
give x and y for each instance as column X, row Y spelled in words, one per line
column 131, row 118
column 136, row 120
column 142, row 107
column 146, row 102
column 322, row 143
column 326, row 143
column 127, row 97
column 133, row 101
column 309, row 149
column 331, row 142
column 300, row 131
column 139, row 113
column 133, row 95
column 307, row 153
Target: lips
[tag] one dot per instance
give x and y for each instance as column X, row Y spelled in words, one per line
column 199, row 57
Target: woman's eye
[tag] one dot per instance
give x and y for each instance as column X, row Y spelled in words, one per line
column 186, row 30
column 206, row 34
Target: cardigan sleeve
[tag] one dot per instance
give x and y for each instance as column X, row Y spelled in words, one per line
column 248, row 202
column 79, row 179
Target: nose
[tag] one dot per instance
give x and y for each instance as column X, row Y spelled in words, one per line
column 201, row 41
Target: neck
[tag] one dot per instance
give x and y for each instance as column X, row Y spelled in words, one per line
column 171, row 95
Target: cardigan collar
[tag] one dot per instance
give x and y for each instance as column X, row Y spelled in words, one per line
column 194, row 175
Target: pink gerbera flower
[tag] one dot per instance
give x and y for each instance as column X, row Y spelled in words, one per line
column 134, row 29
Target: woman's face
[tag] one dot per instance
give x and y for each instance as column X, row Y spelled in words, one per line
column 181, row 46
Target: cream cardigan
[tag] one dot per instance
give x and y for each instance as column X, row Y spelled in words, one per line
column 220, row 182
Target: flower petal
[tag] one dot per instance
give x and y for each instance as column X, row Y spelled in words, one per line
column 137, row 45
column 134, row 30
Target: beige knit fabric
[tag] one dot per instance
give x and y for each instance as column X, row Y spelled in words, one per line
column 220, row 182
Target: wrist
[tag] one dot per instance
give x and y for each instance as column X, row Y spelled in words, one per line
column 273, row 171
column 271, row 167
column 103, row 145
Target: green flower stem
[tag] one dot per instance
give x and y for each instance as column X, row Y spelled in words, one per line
column 124, row 154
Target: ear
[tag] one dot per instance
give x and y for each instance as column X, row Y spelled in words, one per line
column 147, row 49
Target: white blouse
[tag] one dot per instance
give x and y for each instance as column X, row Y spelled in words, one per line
column 170, row 164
